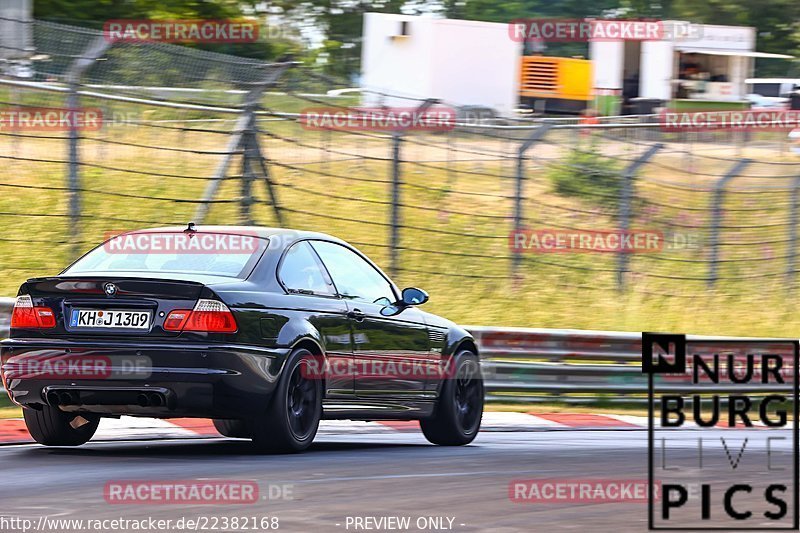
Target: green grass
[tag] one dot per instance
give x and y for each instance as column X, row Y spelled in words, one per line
column 8, row 409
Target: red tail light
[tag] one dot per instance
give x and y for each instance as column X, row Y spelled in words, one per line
column 25, row 315
column 175, row 319
column 210, row 316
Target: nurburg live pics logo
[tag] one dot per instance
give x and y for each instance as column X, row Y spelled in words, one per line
column 722, row 433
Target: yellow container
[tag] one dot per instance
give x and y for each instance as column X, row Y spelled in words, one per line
column 556, row 79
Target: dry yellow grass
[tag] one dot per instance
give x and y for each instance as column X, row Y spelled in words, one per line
column 339, row 184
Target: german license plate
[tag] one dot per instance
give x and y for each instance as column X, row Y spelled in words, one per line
column 102, row 318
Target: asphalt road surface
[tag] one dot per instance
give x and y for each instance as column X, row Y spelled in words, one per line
column 359, row 482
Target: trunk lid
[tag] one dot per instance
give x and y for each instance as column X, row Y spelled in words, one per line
column 113, row 305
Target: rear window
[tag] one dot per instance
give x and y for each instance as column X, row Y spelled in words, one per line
column 217, row 254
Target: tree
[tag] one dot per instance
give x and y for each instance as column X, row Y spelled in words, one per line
column 776, row 23
column 94, row 13
column 339, row 23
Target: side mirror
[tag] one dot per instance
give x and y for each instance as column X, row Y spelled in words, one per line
column 411, row 296
column 414, row 296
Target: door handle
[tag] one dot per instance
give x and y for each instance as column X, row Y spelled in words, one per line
column 356, row 314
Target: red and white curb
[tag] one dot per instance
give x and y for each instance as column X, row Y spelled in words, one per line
column 13, row 430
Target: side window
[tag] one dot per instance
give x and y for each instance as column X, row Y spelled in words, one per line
column 354, row 278
column 300, row 271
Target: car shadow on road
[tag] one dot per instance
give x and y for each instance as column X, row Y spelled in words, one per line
column 206, row 447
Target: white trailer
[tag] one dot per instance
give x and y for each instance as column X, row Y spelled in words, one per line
column 16, row 38
column 460, row 62
column 16, row 29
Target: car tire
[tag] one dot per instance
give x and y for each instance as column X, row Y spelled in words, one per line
column 53, row 427
column 457, row 416
column 290, row 422
column 232, row 428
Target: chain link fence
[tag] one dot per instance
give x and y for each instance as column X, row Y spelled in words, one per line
column 190, row 135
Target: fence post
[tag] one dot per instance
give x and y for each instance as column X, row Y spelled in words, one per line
column 626, row 197
column 244, row 140
column 791, row 259
column 394, row 214
column 716, row 218
column 394, row 236
column 519, row 188
column 73, row 77
column 248, row 156
column 15, row 98
column 273, row 194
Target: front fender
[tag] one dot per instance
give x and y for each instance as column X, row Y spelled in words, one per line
column 459, row 339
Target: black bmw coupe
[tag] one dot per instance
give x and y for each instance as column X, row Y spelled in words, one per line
column 264, row 330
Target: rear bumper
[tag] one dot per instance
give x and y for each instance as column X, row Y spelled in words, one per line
column 176, row 379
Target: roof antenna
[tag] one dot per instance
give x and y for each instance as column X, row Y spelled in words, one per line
column 190, row 228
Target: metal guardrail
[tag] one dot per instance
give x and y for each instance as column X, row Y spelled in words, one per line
column 524, row 365
column 573, row 366
column 529, row 365
column 6, row 304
